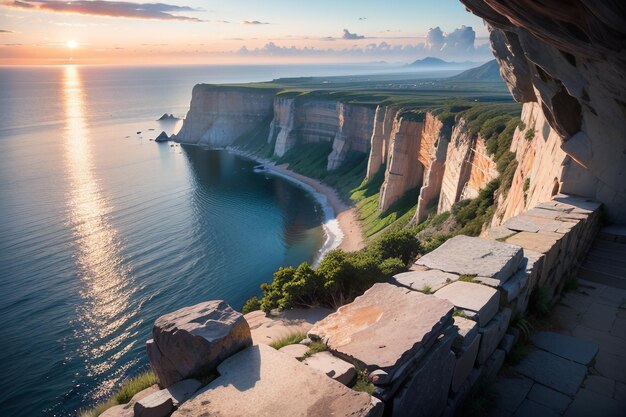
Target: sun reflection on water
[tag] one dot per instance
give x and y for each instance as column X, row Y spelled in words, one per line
column 104, row 317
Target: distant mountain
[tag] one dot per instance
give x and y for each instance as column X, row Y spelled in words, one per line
column 438, row 63
column 429, row 61
column 489, row 71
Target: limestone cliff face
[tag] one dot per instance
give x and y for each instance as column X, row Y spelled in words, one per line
column 282, row 125
column 482, row 170
column 433, row 153
column 379, row 143
column 457, row 166
column 347, row 127
column 218, row 115
column 565, row 62
column 404, row 170
column 354, row 133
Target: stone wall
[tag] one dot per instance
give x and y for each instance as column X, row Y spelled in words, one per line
column 423, row 339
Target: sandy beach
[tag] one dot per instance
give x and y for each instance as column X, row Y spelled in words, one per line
column 351, row 236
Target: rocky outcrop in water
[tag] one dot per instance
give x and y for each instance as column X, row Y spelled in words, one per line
column 565, row 63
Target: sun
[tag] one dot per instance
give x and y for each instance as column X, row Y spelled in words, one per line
column 72, row 44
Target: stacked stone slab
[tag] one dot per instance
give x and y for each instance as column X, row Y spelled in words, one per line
column 402, row 338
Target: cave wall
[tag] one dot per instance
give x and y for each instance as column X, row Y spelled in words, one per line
column 565, row 60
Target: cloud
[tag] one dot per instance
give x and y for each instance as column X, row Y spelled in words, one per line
column 459, row 45
column 458, row 41
column 6, row 31
column 348, row 35
column 253, row 22
column 159, row 11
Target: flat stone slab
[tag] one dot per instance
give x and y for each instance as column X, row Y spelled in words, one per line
column 269, row 328
column 526, row 223
column 580, row 204
column 550, row 398
column 470, row 296
column 540, row 242
column 567, row 347
column 296, row 351
column 424, row 281
column 511, row 392
column 553, row 371
column 332, row 367
column 499, row 232
column 384, row 327
column 260, row 381
column 474, row 256
column 529, row 408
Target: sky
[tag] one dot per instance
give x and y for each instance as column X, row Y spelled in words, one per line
column 44, row 32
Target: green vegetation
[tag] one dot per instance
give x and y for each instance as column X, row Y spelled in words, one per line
column 252, row 304
column 124, row 395
column 526, row 185
column 459, row 313
column 530, row 134
column 467, row 278
column 291, row 339
column 363, row 383
column 525, row 327
column 315, row 347
column 340, row 276
column 426, row 289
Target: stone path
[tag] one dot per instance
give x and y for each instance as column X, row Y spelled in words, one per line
column 578, row 368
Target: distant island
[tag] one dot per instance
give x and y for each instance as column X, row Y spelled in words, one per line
column 488, row 72
column 432, row 62
column 167, row 116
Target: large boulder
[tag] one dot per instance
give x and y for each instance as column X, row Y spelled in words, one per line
column 192, row 341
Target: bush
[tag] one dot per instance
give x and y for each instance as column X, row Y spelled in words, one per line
column 340, row 276
column 530, row 134
column 252, row 304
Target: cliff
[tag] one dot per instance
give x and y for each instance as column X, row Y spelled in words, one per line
column 438, row 163
column 218, row 115
column 566, row 65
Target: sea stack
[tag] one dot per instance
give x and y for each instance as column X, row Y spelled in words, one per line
column 162, row 137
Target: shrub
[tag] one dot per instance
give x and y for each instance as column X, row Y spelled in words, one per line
column 526, row 185
column 530, row 134
column 252, row 304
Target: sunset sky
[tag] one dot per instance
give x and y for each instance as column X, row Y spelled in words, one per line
column 236, row 31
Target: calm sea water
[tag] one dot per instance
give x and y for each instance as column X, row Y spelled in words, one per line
column 102, row 230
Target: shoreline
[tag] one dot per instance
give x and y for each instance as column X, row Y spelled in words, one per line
column 341, row 221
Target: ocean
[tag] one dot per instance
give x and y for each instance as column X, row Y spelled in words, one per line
column 103, row 230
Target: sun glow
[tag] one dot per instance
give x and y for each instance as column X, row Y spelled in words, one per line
column 72, row 44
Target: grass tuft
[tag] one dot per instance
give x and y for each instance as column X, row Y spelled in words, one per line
column 126, row 392
column 315, row 347
column 291, row 339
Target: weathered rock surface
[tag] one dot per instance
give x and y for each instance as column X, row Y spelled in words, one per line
column 218, row 115
column 553, row 371
column 332, row 367
column 492, row 334
column 260, row 381
column 163, row 402
column 567, row 347
column 194, row 340
column 270, row 328
column 126, row 410
column 464, row 364
column 424, row 281
column 467, row 331
column 474, row 256
column 384, row 327
column 404, row 170
column 478, row 298
column 296, row 351
column 426, row 391
column 565, row 64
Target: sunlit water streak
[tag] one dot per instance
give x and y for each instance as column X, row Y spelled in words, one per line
column 106, row 283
